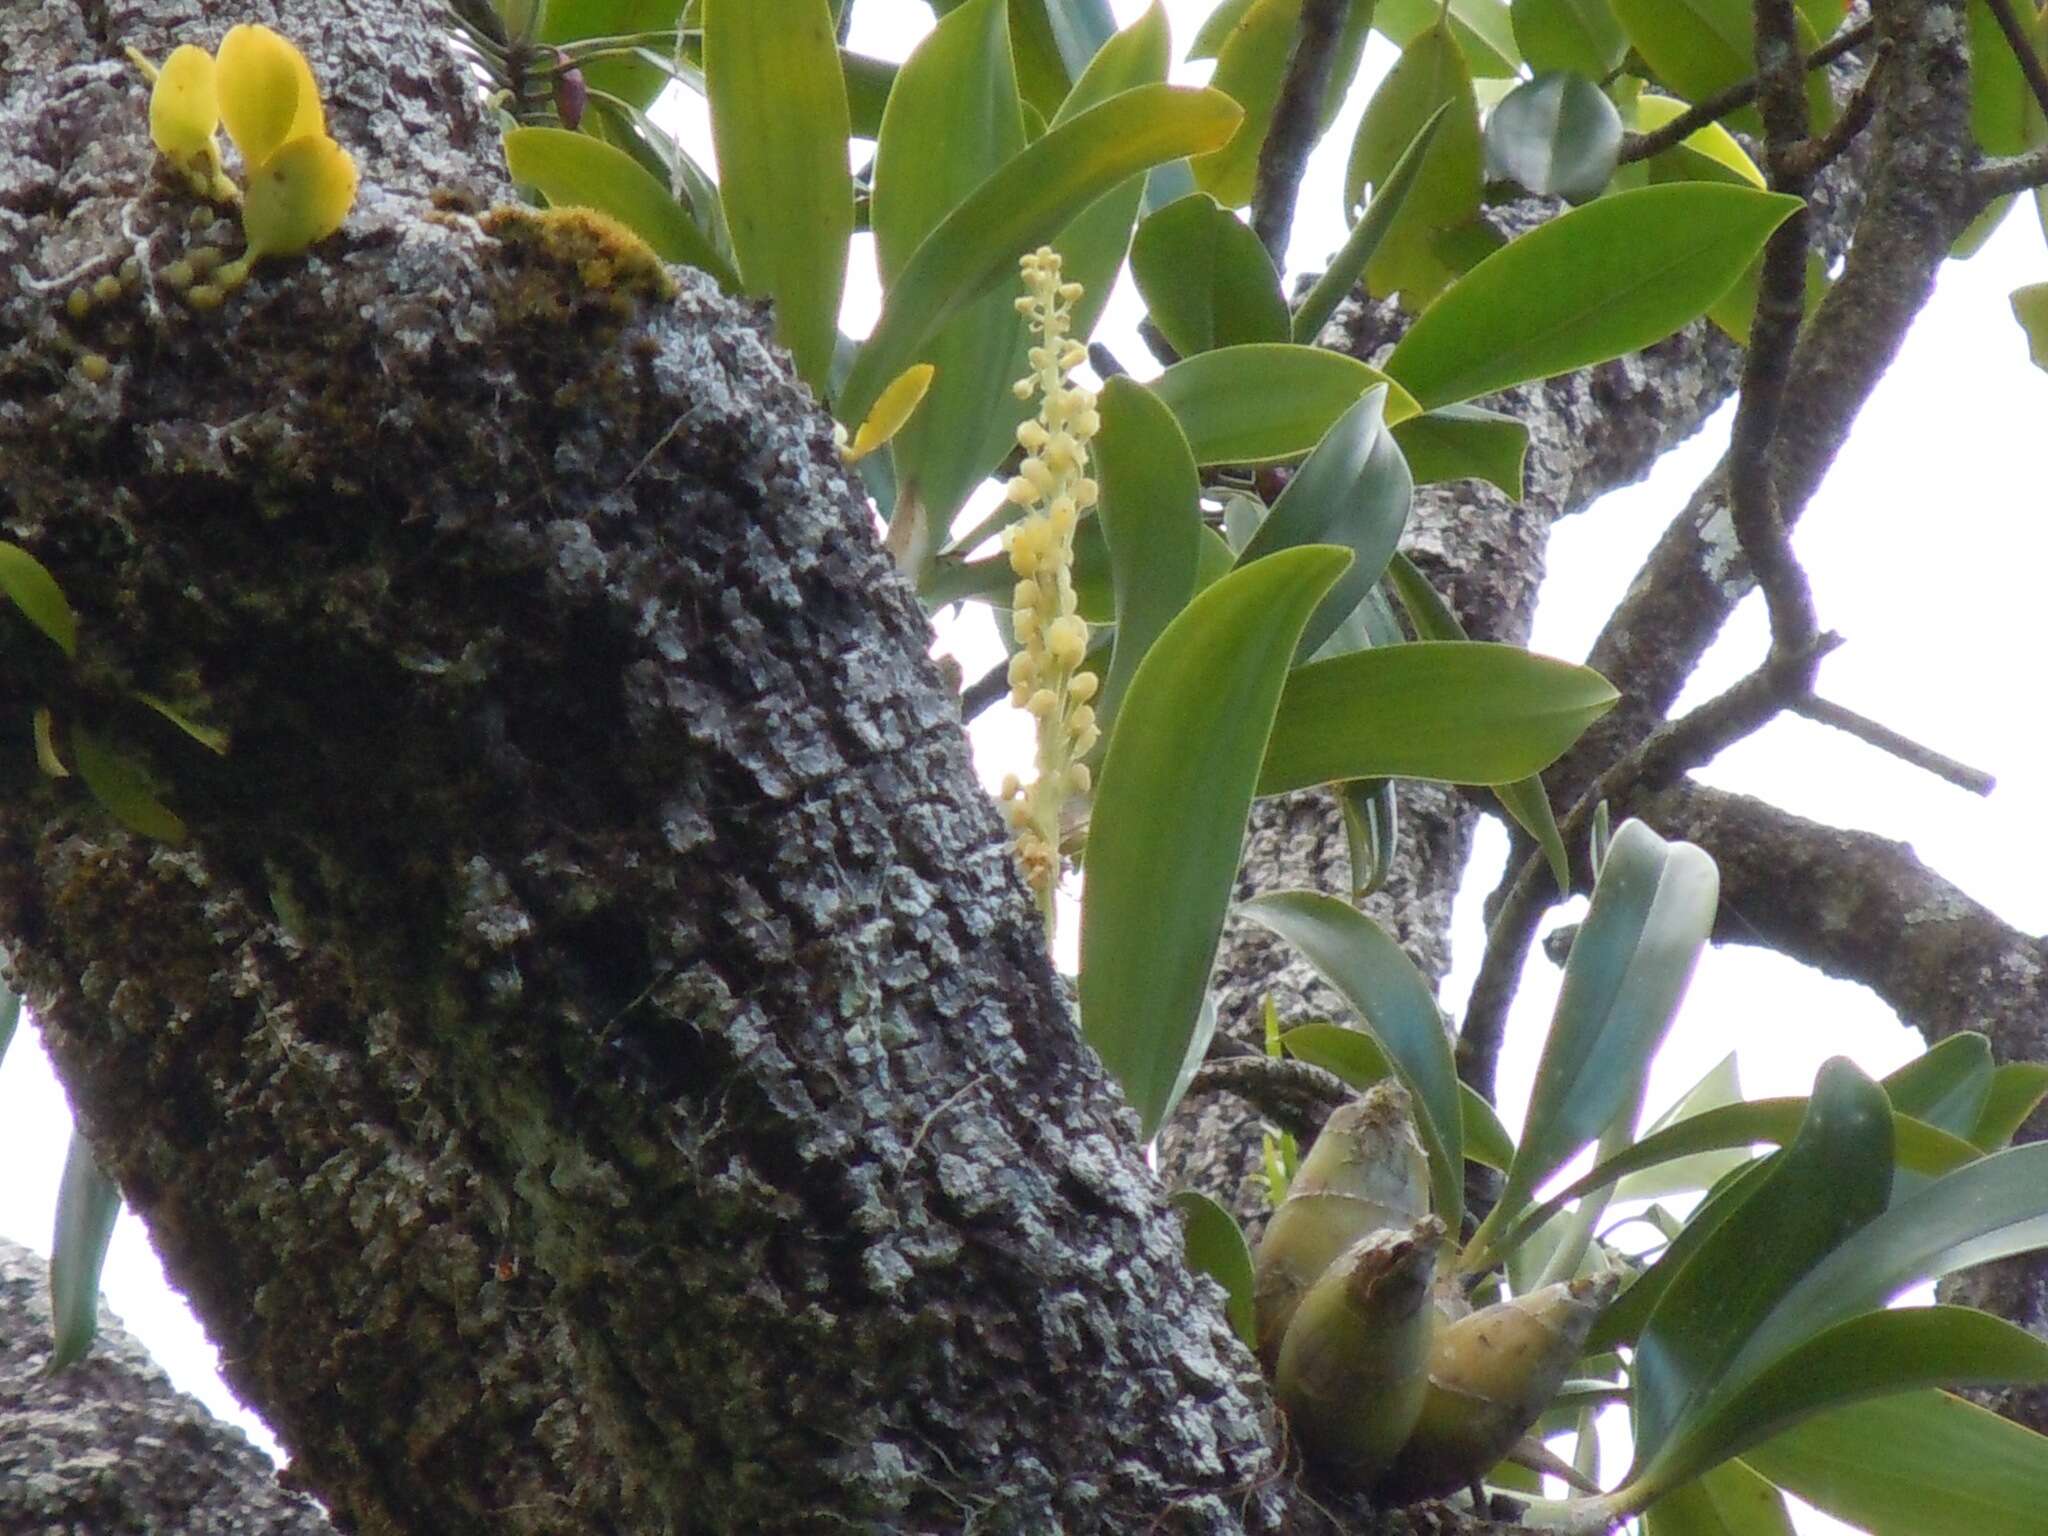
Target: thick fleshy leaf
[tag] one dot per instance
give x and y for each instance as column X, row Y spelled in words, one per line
column 1397, row 1006
column 779, row 120
column 1353, row 490
column 1216, row 1248
column 1023, row 205
column 1264, row 403
column 1653, row 907
column 2017, row 1088
column 1869, row 1356
column 1734, row 1128
column 1987, row 1210
column 634, row 80
column 1831, row 1181
column 266, row 90
column 1170, row 811
column 1080, row 29
column 1558, row 135
column 1468, row 713
column 1622, row 1323
column 1151, row 517
column 1945, row 1085
column 1459, row 442
column 1094, row 243
column 1431, row 74
column 893, row 407
column 1579, row 35
column 34, row 591
column 576, row 170
column 1432, row 618
column 10, row 1017
column 1598, row 282
column 930, row 156
column 87, row 1203
column 1918, row 1464
column 2002, row 112
column 1717, row 1089
column 1352, row 258
column 1371, row 810
column 1701, row 47
column 1729, row 1500
column 121, row 787
column 1206, row 279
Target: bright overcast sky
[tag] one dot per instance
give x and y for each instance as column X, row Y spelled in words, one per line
column 1926, row 548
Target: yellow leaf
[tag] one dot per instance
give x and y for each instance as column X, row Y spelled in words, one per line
column 1712, row 141
column 46, row 745
column 267, row 94
column 892, row 408
column 183, row 108
column 298, row 195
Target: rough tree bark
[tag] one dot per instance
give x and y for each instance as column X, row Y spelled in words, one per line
column 593, row 1065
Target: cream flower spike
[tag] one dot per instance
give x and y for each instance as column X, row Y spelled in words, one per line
column 1053, row 486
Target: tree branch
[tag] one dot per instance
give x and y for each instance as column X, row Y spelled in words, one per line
column 1641, row 146
column 1904, row 748
column 1296, row 123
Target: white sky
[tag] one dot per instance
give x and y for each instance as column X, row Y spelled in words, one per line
column 1926, row 548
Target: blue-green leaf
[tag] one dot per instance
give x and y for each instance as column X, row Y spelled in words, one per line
column 87, row 1203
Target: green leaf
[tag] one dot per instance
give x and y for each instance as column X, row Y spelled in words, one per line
column 869, row 83
column 1093, row 245
column 1709, row 153
column 1351, row 260
column 779, row 121
column 10, row 1017
column 1372, row 832
column 1920, row 1147
column 1558, row 135
column 1170, row 811
column 2030, row 308
column 1484, row 30
column 1206, row 279
column 1272, row 401
column 87, row 1203
column 1718, row 1088
column 1216, row 28
column 1832, row 1180
column 1868, row 1356
column 1151, row 517
column 632, row 80
column 1023, row 205
column 931, row 155
column 209, row 737
column 1041, row 72
column 574, row 170
column 2002, row 112
column 1430, row 75
column 122, row 788
column 1580, row 35
column 1216, row 1248
column 1701, row 47
column 1468, row 713
column 1353, row 490
column 1396, row 1005
column 1946, row 1084
column 1653, row 907
column 32, row 589
column 1593, row 284
column 1458, row 442
column 1919, row 1464
column 1986, row 1210
column 1432, row 618
column 2017, row 1088
column 1729, row 1500
column 1622, row 1323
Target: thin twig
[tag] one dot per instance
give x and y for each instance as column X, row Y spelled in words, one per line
column 2022, row 49
column 1816, row 155
column 1904, row 748
column 1780, row 309
column 1297, row 119
column 1641, row 146
column 987, row 690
